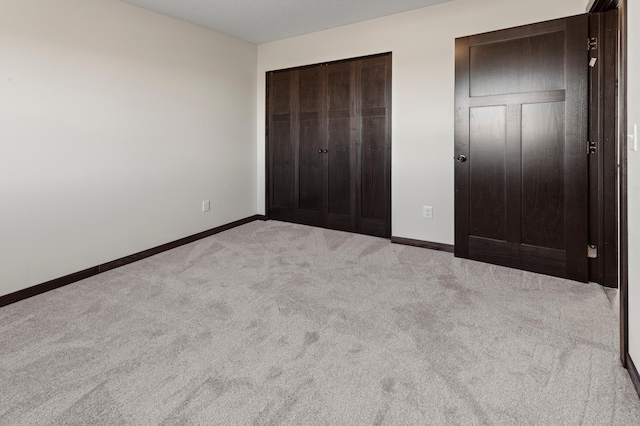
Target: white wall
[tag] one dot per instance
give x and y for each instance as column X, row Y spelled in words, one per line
column 115, row 124
column 422, row 43
column 633, row 164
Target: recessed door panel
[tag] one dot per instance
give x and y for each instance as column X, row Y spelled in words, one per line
column 281, row 94
column 374, row 85
column 524, row 64
column 339, row 90
column 282, row 167
column 340, row 141
column 282, row 162
column 487, row 183
column 310, row 173
column 373, row 161
column 309, row 142
column 339, row 164
column 543, row 209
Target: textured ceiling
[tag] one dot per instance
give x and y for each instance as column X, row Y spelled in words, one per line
column 261, row 21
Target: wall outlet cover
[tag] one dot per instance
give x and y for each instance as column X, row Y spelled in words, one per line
column 427, row 212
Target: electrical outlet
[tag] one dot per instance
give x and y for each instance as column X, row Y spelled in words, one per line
column 427, row 212
column 206, row 206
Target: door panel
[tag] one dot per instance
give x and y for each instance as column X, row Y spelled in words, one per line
column 340, row 179
column 282, row 163
column 295, row 166
column 310, row 195
column 533, row 64
column 373, row 83
column 542, row 184
column 340, row 86
column 282, row 167
column 310, row 160
column 521, row 122
column 374, row 156
column 280, row 94
column 488, row 186
column 341, row 192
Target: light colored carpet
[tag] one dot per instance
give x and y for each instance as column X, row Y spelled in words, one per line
column 273, row 323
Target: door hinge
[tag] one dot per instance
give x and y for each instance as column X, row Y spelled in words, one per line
column 592, row 43
column 592, row 147
column 592, row 251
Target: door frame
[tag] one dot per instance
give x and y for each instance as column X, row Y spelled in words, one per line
column 604, row 200
column 596, row 6
column 267, row 192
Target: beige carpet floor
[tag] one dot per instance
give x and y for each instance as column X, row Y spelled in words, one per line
column 279, row 324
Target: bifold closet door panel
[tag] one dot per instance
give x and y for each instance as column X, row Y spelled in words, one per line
column 295, row 146
column 281, row 147
column 374, row 162
column 309, row 144
column 341, row 146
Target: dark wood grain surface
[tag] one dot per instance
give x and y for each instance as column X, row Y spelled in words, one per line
column 543, row 208
column 520, row 118
column 487, row 187
column 329, row 145
column 309, row 142
column 609, row 141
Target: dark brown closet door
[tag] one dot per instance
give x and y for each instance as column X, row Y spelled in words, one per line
column 329, row 145
column 521, row 134
column 309, row 143
column 342, row 146
column 296, row 146
column 281, row 146
column 373, row 127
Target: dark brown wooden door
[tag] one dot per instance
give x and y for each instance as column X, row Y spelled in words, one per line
column 329, row 145
column 373, row 122
column 295, row 148
column 342, row 146
column 521, row 124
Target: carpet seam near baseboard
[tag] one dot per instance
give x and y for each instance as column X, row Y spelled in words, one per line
column 423, row 244
column 37, row 289
column 633, row 372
